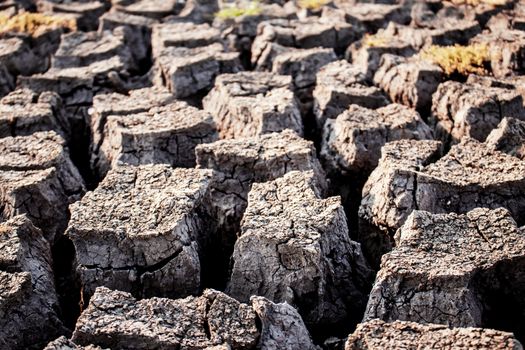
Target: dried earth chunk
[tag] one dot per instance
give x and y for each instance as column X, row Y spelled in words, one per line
column 115, row 104
column 470, row 175
column 184, row 34
column 140, row 230
column 28, row 307
column 507, row 51
column 408, row 81
column 253, row 103
column 241, row 162
column 352, row 142
column 509, row 137
column 186, row 71
column 167, row 134
column 23, row 113
column 453, row 269
column 378, row 335
column 137, row 36
column 468, row 110
column 339, row 85
column 294, row 247
column 38, row 179
column 116, row 320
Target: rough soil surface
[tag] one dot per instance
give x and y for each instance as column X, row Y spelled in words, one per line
column 455, row 260
column 377, row 334
column 274, row 174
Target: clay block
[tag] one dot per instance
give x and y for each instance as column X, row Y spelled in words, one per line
column 186, row 71
column 138, row 35
column 507, row 51
column 138, row 231
column 38, row 178
column 282, row 326
column 302, row 65
column 155, row 9
column 408, row 81
column 366, row 53
column 167, row 134
column 294, row 247
column 88, row 12
column 446, row 269
column 23, row 113
column 442, row 31
column 465, row 110
column 352, row 142
column 79, row 49
column 191, row 323
column 239, row 31
column 509, row 137
column 28, row 308
column 305, row 34
column 116, row 104
column 185, row 34
column 249, row 104
column 375, row 15
column 470, row 175
column 241, row 162
column 63, row 343
column 74, row 85
column 377, row 335
column 339, row 85
column 17, row 57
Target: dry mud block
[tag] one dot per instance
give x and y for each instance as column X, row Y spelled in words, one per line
column 305, row 34
column 249, row 104
column 63, row 343
column 461, row 270
column 23, row 113
column 87, row 13
column 17, row 57
column 408, row 81
column 212, row 321
column 140, row 230
column 409, row 176
column 186, row 71
column 167, row 134
column 137, row 35
column 470, row 110
column 294, row 247
column 240, row 162
column 352, row 142
column 507, row 51
column 366, row 53
column 301, row 64
column 28, row 307
column 509, row 137
column 379, row 335
column 38, row 179
column 80, row 49
column 184, row 34
column 339, row 85
column 156, row 9
column 116, row 104
column 375, row 15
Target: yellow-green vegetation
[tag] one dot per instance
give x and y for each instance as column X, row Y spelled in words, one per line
column 34, row 23
column 458, row 59
column 312, row 4
column 252, row 8
column 375, row 40
column 479, row 2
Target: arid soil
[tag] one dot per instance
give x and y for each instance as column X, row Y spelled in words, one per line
column 272, row 174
